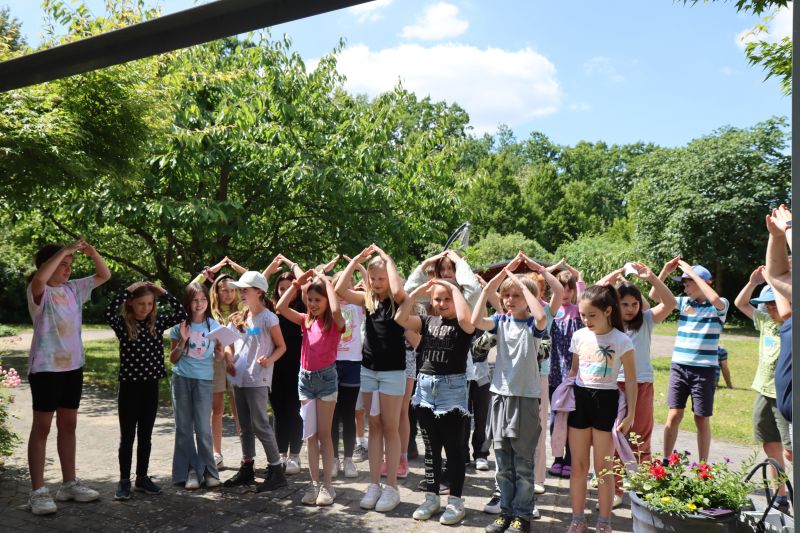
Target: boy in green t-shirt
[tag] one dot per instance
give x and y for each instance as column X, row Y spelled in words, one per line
column 769, row 426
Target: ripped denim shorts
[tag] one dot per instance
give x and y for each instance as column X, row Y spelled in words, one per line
column 441, row 394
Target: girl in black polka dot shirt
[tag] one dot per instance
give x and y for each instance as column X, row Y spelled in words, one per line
column 140, row 330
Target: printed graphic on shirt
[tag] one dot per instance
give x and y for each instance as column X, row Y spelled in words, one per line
column 597, row 362
column 439, row 344
column 348, row 315
column 197, row 345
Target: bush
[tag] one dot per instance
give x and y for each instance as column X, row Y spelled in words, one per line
column 494, row 248
column 8, row 439
column 597, row 255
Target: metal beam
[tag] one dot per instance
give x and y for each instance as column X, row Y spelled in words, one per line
column 197, row 25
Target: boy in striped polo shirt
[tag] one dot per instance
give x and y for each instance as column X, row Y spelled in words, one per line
column 694, row 358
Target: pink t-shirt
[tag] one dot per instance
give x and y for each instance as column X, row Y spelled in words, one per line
column 319, row 347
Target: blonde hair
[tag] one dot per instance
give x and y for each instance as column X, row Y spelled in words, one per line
column 371, row 301
column 213, row 298
column 239, row 318
column 131, row 324
column 525, row 280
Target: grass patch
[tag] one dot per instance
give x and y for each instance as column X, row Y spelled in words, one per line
column 744, row 329
column 102, row 367
column 28, row 328
column 733, row 408
column 7, row 330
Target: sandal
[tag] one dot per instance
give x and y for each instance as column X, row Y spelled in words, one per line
column 555, row 470
column 566, row 471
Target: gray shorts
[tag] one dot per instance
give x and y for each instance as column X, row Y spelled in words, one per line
column 769, row 424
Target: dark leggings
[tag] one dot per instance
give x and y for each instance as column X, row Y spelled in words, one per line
column 345, row 413
column 286, row 411
column 137, row 405
column 412, row 419
column 480, row 399
column 443, row 431
column 566, row 459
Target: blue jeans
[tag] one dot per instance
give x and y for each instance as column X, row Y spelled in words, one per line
column 191, row 402
column 320, row 384
column 441, row 394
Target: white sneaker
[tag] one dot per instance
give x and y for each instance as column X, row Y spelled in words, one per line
column 218, row 459
column 192, row 483
column 389, row 500
column 616, row 502
column 350, row 470
column 481, row 463
column 335, row 471
column 41, row 502
column 326, row 495
column 429, row 507
column 371, row 496
column 538, row 488
column 73, row 490
column 535, row 514
column 311, row 493
column 454, row 512
column 211, row 482
column 293, row 465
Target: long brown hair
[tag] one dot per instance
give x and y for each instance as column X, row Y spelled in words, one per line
column 192, row 290
column 327, row 317
column 629, row 289
column 131, row 324
column 603, row 297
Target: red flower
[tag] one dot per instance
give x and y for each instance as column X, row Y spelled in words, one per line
column 704, row 471
column 674, row 459
column 657, row 470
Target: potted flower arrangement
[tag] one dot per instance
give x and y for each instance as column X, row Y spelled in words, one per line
column 675, row 494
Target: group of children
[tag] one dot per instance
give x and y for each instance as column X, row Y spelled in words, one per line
column 332, row 350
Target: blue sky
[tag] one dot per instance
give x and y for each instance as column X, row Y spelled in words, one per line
column 619, row 71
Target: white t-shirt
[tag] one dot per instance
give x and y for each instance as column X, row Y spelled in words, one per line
column 599, row 357
column 641, row 345
column 256, row 343
column 350, row 344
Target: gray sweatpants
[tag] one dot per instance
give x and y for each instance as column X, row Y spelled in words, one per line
column 251, row 404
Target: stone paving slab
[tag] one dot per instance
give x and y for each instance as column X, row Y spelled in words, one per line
column 241, row 509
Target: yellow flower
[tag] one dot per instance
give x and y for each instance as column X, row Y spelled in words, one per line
column 666, row 499
column 691, row 506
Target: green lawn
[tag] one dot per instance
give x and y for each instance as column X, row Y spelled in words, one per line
column 733, row 408
column 733, row 328
column 16, row 329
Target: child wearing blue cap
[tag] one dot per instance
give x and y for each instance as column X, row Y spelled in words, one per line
column 770, row 428
column 694, row 357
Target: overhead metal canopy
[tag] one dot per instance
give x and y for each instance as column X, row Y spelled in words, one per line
column 197, row 25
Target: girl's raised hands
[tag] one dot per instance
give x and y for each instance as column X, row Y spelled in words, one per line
column 185, row 330
column 642, row 271
column 134, row 286
column 160, row 291
column 365, row 254
column 330, row 264
column 306, row 277
column 757, row 276
column 672, row 264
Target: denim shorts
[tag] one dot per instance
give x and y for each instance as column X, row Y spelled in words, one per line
column 389, row 382
column 441, row 394
column 318, row 384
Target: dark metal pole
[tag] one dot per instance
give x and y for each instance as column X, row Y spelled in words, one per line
column 189, row 27
column 795, row 273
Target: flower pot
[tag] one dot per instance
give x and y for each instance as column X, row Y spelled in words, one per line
column 646, row 519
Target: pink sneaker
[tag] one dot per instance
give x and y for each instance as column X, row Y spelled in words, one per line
column 384, row 467
column 402, row 468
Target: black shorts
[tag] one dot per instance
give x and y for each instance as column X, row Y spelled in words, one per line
column 51, row 390
column 594, row 408
column 699, row 382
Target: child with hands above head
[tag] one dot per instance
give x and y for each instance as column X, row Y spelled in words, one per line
column 602, row 416
column 283, row 393
column 770, row 428
column 322, row 328
column 55, row 365
column 441, row 395
column 192, row 355
column 253, row 358
column 516, row 391
column 382, row 368
column 140, row 331
column 639, row 320
column 694, row 358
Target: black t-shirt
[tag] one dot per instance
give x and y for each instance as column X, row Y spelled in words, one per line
column 443, row 347
column 384, row 344
column 289, row 364
column 783, row 372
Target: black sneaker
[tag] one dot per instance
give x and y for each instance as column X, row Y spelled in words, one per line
column 276, row 479
column 493, row 505
column 146, row 485
column 123, row 490
column 499, row 525
column 244, row 476
column 519, row 525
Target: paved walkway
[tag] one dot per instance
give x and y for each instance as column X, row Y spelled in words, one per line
column 242, row 509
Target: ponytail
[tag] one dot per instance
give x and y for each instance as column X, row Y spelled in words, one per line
column 603, row 297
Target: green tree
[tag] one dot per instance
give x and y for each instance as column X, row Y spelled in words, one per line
column 494, row 248
column 707, row 200
column 11, row 38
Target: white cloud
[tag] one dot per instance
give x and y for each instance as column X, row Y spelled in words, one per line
column 580, row 107
column 778, row 27
column 369, row 11
column 603, row 67
column 493, row 85
column 438, row 21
